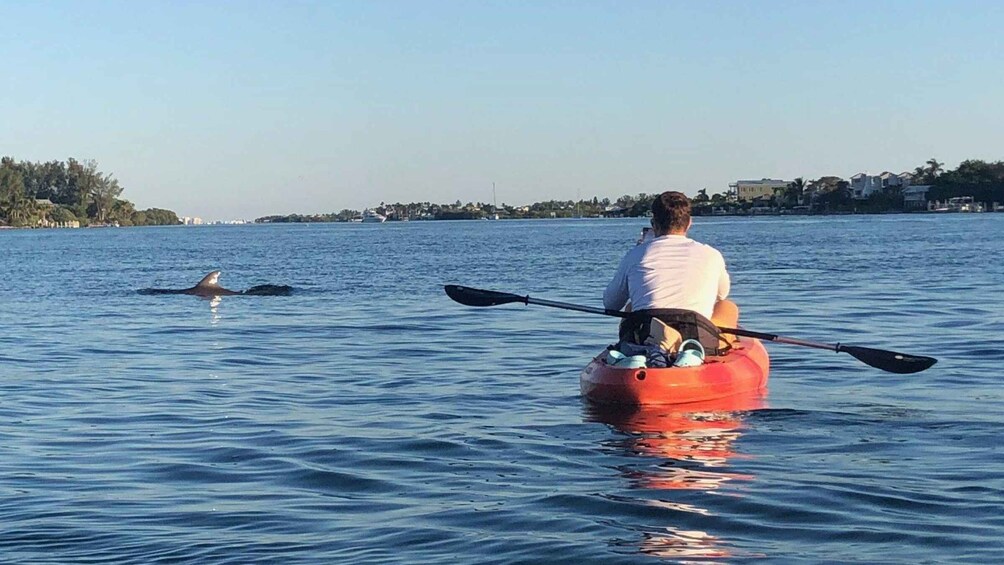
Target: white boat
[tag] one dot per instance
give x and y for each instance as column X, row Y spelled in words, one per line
column 495, row 205
column 959, row 204
column 371, row 217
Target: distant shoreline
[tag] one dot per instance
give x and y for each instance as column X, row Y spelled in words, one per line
column 431, row 220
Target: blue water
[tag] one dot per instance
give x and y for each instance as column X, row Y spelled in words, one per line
column 370, row 419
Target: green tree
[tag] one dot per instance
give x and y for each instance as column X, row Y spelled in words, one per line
column 777, row 198
column 934, row 168
column 15, row 206
column 831, row 193
column 105, row 191
column 121, row 213
column 61, row 215
column 155, row 217
column 795, row 191
column 982, row 180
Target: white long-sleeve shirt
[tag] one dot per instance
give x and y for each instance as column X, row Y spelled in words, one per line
column 672, row 271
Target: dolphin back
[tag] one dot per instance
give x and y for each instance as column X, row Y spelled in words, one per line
column 210, row 286
column 161, row 291
column 269, row 290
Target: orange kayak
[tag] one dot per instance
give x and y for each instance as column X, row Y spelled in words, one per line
column 741, row 371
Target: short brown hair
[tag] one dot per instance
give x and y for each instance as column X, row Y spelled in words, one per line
column 671, row 212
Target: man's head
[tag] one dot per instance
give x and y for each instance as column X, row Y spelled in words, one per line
column 671, row 213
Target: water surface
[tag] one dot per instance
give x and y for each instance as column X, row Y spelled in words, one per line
column 367, row 418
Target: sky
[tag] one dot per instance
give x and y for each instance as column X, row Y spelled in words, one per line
column 239, row 109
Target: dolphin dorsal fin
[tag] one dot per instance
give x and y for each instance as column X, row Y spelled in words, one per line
column 212, row 280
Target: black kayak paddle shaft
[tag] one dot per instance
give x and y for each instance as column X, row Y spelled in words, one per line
column 889, row 361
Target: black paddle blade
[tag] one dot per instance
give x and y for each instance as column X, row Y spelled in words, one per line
column 890, row 361
column 477, row 297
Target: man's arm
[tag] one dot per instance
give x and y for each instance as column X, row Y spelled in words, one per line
column 724, row 282
column 616, row 294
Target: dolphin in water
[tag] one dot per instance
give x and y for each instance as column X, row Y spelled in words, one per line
column 210, row 287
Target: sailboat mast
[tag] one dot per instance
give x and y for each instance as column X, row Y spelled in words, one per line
column 495, row 204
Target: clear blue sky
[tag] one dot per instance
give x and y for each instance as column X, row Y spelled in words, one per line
column 240, row 109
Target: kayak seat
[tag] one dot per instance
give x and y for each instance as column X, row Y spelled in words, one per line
column 636, row 328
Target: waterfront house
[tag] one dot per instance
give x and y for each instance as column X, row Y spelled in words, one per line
column 750, row 190
column 915, row 197
column 890, row 180
column 45, row 207
column 864, row 185
column 614, row 211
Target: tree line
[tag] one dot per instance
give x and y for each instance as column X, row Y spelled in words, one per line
column 828, row 194
column 626, row 205
column 58, row 192
column 982, row 180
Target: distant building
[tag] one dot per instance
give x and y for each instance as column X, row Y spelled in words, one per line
column 864, row 185
column 614, row 211
column 189, row 221
column 750, row 190
column 915, row 197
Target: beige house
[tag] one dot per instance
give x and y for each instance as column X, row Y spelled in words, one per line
column 750, row 190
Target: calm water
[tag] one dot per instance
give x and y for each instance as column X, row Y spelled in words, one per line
column 368, row 418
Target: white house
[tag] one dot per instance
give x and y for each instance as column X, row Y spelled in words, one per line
column 864, row 185
column 906, row 178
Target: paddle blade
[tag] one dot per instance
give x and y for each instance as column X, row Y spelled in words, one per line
column 890, row 361
column 478, row 297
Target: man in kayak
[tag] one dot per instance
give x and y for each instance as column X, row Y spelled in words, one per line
column 672, row 270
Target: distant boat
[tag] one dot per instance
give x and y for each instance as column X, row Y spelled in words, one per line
column 960, row 204
column 495, row 205
column 371, row 217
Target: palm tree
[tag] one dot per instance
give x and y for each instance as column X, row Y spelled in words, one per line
column 794, row 192
column 934, row 168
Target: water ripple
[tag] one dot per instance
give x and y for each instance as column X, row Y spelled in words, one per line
column 367, row 418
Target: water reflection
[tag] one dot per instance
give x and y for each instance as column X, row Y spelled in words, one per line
column 214, row 304
column 687, row 448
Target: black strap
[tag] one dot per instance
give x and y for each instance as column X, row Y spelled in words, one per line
column 690, row 324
